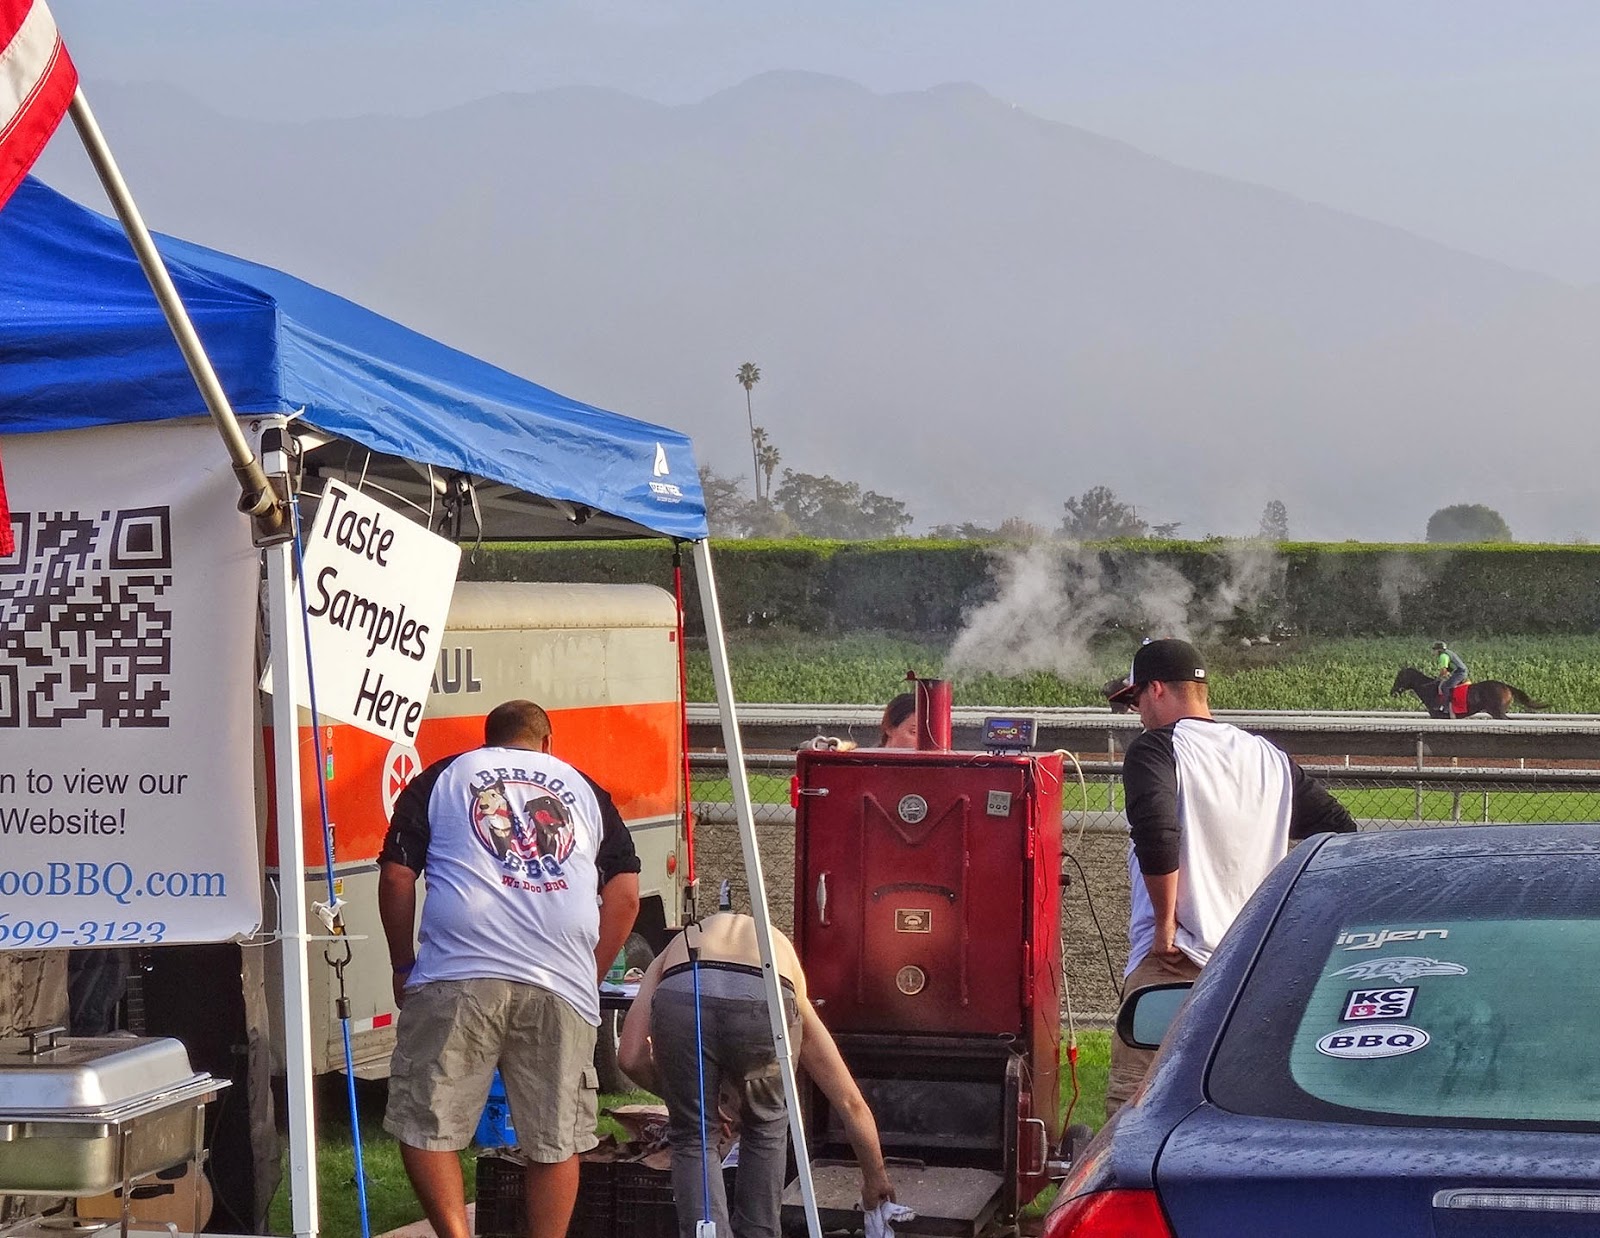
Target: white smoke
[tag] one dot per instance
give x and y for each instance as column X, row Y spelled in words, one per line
column 1053, row 601
column 1400, row 576
column 1253, row 575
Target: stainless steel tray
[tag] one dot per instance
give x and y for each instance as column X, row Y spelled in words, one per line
column 66, row 1144
column 43, row 1070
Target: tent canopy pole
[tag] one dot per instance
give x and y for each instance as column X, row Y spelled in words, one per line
column 745, row 813
column 288, row 679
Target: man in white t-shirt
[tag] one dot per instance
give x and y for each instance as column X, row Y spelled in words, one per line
column 533, row 886
column 1210, row 809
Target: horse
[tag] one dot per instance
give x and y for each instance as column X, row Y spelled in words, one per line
column 1488, row 696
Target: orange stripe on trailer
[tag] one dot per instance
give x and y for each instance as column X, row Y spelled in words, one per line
column 630, row 750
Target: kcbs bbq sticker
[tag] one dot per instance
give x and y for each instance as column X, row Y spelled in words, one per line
column 1379, row 1040
column 1378, row 1004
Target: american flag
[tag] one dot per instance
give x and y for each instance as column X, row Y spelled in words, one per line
column 8, row 545
column 37, row 82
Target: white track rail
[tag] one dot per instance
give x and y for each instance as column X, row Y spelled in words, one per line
column 861, row 722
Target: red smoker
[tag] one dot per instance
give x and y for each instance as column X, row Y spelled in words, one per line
column 928, row 921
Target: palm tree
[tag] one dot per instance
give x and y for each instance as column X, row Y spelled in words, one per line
column 768, row 458
column 748, row 376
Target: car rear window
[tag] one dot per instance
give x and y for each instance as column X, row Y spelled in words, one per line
column 1460, row 990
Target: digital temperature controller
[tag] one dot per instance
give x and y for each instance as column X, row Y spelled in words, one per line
column 1003, row 734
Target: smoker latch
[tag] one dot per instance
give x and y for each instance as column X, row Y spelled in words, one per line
column 1041, row 1146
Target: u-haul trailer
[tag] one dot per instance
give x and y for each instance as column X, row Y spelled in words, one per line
column 603, row 661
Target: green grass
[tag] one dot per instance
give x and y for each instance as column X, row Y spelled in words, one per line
column 391, row 1203
column 1094, row 1064
column 1308, row 673
column 390, row 1200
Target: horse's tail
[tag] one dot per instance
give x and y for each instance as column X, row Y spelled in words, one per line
column 1523, row 699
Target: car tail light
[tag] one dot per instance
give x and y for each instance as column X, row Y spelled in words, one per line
column 1109, row 1214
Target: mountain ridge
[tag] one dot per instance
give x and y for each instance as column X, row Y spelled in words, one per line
column 953, row 301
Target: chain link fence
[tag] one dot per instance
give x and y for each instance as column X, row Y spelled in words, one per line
column 1094, row 904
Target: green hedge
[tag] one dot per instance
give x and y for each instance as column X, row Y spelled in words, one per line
column 928, row 587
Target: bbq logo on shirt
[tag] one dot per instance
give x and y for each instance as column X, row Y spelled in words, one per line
column 525, row 825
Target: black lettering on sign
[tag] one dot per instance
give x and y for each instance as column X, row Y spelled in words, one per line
column 386, row 707
column 360, row 535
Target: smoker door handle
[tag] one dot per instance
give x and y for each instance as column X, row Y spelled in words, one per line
column 1041, row 1148
column 822, row 900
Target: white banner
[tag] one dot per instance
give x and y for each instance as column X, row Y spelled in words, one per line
column 127, row 678
column 378, row 597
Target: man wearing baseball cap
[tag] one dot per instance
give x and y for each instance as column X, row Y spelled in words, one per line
column 1197, row 856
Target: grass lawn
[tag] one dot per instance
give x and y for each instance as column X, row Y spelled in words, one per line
column 391, row 1203
column 1300, row 673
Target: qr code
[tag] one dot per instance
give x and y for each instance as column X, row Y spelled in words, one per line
column 83, row 629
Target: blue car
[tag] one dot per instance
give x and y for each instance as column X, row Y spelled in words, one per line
column 1400, row 1035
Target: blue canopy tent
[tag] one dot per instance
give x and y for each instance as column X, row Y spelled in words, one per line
column 84, row 343
column 470, row 447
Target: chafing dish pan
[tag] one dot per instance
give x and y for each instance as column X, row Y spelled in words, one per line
column 82, row 1115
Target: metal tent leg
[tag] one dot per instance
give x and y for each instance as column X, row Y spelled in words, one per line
column 745, row 813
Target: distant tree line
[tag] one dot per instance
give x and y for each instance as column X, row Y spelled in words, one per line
column 817, row 505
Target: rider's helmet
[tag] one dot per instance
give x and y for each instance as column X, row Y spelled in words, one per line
column 1438, row 644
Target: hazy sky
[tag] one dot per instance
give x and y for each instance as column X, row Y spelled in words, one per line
column 1474, row 123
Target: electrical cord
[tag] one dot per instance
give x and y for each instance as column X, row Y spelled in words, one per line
column 1072, row 1050
column 1083, row 825
column 1083, row 790
column 1065, row 996
column 1111, row 968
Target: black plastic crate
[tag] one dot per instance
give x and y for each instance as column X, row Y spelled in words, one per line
column 501, row 1199
column 644, row 1204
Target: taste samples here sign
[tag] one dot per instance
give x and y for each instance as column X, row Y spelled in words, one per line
column 376, row 591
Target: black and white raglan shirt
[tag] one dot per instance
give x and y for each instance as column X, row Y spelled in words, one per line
column 514, row 847
column 1218, row 806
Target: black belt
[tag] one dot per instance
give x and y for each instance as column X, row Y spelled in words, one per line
column 743, row 969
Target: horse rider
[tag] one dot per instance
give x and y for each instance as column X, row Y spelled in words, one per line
column 1450, row 671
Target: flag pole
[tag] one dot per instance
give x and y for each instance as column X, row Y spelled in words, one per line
column 258, row 499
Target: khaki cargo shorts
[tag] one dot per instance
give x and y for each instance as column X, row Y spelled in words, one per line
column 452, row 1035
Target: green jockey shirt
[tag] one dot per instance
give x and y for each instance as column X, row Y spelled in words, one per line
column 1449, row 663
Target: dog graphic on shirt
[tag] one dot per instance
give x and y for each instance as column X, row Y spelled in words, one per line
column 496, row 823
column 538, row 835
column 552, row 832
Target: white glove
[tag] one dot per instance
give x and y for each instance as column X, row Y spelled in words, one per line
column 887, row 1214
